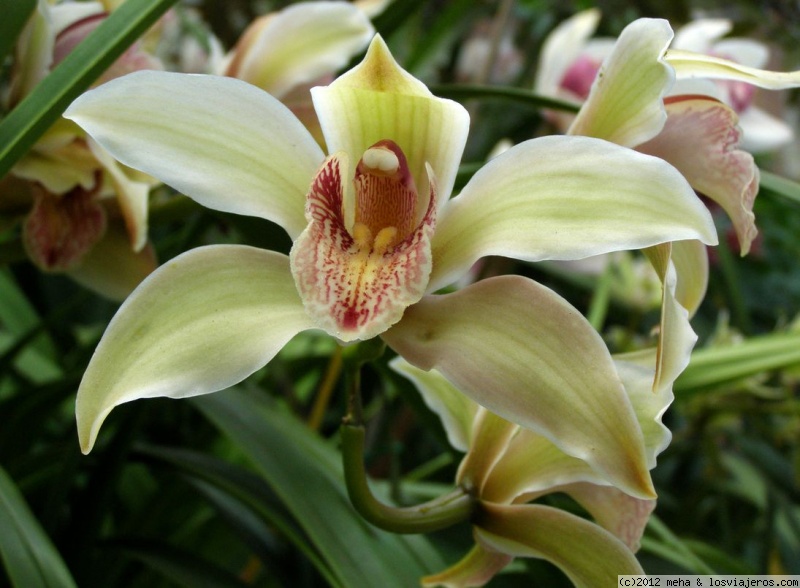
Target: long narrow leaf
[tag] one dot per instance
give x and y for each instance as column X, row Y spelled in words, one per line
column 15, row 15
column 305, row 473
column 48, row 100
column 30, row 559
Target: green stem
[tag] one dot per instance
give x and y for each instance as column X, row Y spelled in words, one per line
column 442, row 512
column 601, row 298
column 466, row 91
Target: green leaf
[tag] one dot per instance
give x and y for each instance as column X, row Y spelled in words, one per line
column 782, row 186
column 717, row 365
column 305, row 473
column 185, row 569
column 15, row 15
column 40, row 109
column 30, row 559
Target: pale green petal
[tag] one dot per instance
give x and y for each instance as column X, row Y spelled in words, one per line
column 561, row 48
column 302, row 43
column 625, row 104
column 532, row 465
column 637, row 372
column 588, row 554
column 221, row 141
column 565, row 198
column 700, row 34
column 204, row 321
column 676, row 337
column 475, row 569
column 111, row 268
column 33, row 53
column 490, row 437
column 526, row 354
column 698, row 65
column 691, row 264
column 456, row 410
column 378, row 100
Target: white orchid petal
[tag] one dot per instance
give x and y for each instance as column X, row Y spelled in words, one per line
column 762, row 132
column 221, row 141
column 203, row 321
column 565, row 198
column 524, row 353
column 700, row 34
column 561, row 48
column 693, row 65
column 625, row 103
column 302, row 43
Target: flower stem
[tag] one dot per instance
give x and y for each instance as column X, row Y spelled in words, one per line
column 442, row 512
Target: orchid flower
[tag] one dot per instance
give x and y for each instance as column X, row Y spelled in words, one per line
column 375, row 235
column 79, row 202
column 627, row 100
column 287, row 52
column 508, row 467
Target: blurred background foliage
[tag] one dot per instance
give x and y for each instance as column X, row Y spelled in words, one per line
column 243, row 488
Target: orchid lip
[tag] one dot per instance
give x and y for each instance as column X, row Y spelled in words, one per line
column 357, row 280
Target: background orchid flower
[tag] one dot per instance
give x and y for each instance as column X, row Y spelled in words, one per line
column 509, row 467
column 375, row 234
column 762, row 131
column 79, row 203
column 288, row 52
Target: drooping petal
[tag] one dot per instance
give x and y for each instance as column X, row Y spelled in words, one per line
column 203, row 321
column 588, row 554
column 615, row 511
column 701, row 139
column 221, row 141
column 475, row 569
column 565, row 198
column 698, row 65
column 131, row 196
column 691, row 265
column 676, row 337
column 637, row 370
column 625, row 104
column 299, row 44
column 527, row 355
column 355, row 286
column 378, row 100
column 112, row 268
column 561, row 48
column 456, row 410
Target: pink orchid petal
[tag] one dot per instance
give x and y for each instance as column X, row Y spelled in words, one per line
column 701, row 139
